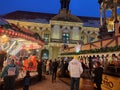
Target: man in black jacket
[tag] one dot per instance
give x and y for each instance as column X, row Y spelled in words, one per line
column 54, row 70
column 98, row 75
column 39, row 70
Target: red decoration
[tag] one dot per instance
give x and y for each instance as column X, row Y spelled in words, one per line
column 6, row 31
column 3, row 31
column 16, row 34
column 10, row 32
column 13, row 33
column 0, row 30
column 24, row 46
column 31, row 46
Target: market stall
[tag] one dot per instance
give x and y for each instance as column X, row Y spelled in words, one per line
column 21, row 44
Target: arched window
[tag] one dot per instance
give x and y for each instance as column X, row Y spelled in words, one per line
column 91, row 39
column 46, row 38
column 109, row 13
column 118, row 10
column 37, row 36
column 44, row 54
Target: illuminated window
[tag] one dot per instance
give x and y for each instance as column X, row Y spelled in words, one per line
column 65, row 38
column 46, row 38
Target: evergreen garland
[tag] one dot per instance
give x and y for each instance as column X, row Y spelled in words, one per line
column 101, row 50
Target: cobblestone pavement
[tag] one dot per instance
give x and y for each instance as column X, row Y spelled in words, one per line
column 48, row 85
column 85, row 84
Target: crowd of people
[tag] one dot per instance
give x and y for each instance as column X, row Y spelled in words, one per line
column 71, row 67
column 74, row 67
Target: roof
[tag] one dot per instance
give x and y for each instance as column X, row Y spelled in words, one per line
column 28, row 15
column 36, row 15
column 42, row 17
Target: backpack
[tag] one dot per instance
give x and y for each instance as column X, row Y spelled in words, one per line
column 11, row 71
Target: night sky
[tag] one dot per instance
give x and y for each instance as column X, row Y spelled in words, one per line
column 77, row 7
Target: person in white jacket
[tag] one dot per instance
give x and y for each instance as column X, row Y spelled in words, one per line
column 75, row 69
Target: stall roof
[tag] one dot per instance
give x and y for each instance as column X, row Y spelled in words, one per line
column 15, row 31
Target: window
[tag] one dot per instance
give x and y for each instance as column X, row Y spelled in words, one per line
column 108, row 13
column 46, row 38
column 92, row 39
column 65, row 38
column 82, row 37
column 118, row 10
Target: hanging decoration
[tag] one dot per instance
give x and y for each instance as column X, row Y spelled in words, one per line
column 12, row 33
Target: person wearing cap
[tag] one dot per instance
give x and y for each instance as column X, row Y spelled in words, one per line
column 9, row 73
column 75, row 69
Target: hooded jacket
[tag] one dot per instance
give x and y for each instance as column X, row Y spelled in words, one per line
column 75, row 68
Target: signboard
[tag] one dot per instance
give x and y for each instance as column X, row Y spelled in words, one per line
column 110, row 82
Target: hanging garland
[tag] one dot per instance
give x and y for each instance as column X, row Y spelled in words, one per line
column 101, row 50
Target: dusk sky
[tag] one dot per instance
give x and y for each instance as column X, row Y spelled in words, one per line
column 77, row 7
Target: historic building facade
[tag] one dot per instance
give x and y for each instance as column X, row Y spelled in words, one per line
column 57, row 30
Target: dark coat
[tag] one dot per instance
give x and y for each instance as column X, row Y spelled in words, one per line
column 55, row 66
column 27, row 80
column 98, row 75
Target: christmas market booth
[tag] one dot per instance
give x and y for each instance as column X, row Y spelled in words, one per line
column 109, row 57
column 21, row 44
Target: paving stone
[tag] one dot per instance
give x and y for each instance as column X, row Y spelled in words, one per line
column 47, row 84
